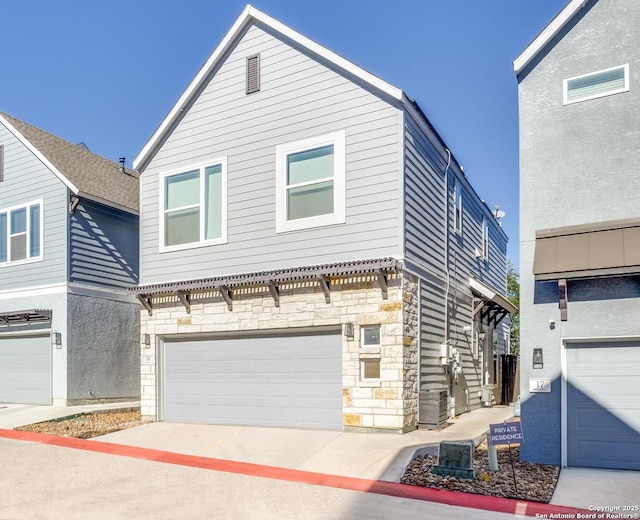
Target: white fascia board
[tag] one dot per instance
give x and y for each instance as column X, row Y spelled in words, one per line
column 39, row 155
column 328, row 55
column 246, row 17
column 561, row 19
column 106, row 202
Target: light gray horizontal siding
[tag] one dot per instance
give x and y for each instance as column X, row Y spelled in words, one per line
column 103, row 246
column 462, row 248
column 300, row 97
column 424, row 200
column 27, row 179
column 432, row 334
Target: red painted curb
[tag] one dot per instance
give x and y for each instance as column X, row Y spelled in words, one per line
column 453, row 498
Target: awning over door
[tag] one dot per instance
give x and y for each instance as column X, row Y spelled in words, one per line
column 601, row 249
column 491, row 305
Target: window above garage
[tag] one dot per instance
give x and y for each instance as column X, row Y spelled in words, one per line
column 194, row 206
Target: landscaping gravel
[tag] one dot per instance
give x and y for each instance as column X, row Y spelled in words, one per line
column 88, row 425
column 535, row 482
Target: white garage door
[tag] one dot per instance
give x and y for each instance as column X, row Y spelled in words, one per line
column 25, row 369
column 291, row 381
column 603, row 405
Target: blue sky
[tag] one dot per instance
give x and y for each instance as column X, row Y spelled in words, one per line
column 106, row 72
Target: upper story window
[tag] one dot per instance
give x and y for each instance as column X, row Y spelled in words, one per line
column 485, row 239
column 21, row 234
column 596, row 84
column 310, row 183
column 193, row 208
column 457, row 211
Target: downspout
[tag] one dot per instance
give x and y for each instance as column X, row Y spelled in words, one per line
column 452, row 405
column 446, row 246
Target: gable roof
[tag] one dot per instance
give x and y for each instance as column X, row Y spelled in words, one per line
column 85, row 174
column 547, row 34
column 248, row 16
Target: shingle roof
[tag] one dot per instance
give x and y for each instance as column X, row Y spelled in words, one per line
column 87, row 174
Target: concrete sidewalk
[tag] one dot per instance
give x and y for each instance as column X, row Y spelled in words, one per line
column 13, row 415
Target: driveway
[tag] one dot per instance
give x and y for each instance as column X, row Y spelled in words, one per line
column 43, row 482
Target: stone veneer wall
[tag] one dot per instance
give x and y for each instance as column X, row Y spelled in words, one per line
column 390, row 403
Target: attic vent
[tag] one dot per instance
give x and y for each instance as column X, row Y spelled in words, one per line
column 253, row 74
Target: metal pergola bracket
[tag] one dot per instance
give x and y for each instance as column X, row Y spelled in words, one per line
column 227, row 296
column 185, row 298
column 562, row 289
column 384, row 283
column 325, row 285
column 275, row 293
column 146, row 302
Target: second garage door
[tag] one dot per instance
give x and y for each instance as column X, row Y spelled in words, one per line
column 291, row 381
column 603, row 405
column 25, row 369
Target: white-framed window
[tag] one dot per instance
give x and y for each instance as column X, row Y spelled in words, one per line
column 457, row 208
column 370, row 339
column 475, row 341
column 596, row 84
column 485, row 239
column 310, row 183
column 193, row 206
column 370, row 353
column 369, row 369
column 21, row 234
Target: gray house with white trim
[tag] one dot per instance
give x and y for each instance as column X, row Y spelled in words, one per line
column 312, row 254
column 580, row 237
column 68, row 251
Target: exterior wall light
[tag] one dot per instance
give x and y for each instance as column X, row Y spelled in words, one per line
column 348, row 330
column 146, row 340
column 537, row 358
column 56, row 339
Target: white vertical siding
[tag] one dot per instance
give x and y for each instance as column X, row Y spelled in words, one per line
column 300, row 97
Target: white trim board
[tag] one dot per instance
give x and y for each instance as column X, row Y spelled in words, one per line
column 248, row 16
column 547, row 34
column 39, row 155
column 67, row 288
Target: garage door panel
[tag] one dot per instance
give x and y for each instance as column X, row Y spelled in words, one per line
column 25, row 369
column 603, row 405
column 599, row 454
column 270, row 381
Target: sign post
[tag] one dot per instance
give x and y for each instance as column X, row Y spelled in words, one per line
column 507, row 433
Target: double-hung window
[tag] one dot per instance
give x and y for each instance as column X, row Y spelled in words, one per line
column 193, row 211
column 596, row 84
column 310, row 183
column 21, row 233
